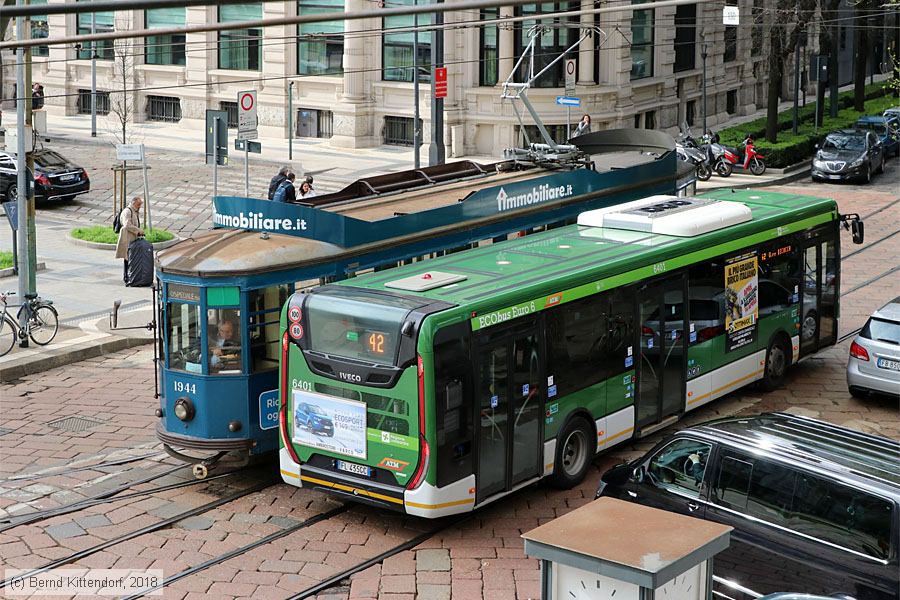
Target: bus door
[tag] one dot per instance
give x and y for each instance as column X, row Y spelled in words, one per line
column 510, row 409
column 660, row 388
column 809, row 300
column 818, row 298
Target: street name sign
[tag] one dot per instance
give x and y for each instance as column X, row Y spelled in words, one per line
column 248, row 145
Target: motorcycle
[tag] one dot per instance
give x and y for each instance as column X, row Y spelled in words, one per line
column 721, row 158
column 688, row 151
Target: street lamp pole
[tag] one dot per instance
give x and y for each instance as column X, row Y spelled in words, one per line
column 417, row 132
column 93, row 78
column 703, row 56
column 290, row 120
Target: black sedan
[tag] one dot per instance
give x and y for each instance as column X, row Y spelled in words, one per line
column 55, row 178
column 848, row 154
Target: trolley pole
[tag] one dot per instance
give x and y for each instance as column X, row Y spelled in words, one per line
column 703, row 56
column 94, row 78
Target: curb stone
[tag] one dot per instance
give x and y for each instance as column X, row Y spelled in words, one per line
column 101, row 246
column 28, row 365
column 8, row 271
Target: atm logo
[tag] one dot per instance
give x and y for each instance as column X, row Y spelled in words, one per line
column 393, row 464
column 553, row 300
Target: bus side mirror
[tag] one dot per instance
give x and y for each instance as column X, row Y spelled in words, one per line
column 858, row 230
column 114, row 315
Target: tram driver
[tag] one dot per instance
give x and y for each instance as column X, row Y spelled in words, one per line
column 225, row 349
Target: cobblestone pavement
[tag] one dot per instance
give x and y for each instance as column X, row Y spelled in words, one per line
column 482, row 557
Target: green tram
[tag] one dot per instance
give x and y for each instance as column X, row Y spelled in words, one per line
column 440, row 386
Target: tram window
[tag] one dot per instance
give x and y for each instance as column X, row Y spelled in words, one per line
column 224, row 333
column 265, row 311
column 183, row 329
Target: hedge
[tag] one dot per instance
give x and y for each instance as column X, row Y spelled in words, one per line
column 105, row 235
column 792, row 149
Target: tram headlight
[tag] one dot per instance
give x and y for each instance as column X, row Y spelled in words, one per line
column 184, row 409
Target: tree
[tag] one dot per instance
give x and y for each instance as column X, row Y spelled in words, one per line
column 782, row 40
column 862, row 48
column 121, row 96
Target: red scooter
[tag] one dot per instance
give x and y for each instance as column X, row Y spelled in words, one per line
column 749, row 159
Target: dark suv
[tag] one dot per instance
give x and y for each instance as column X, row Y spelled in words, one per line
column 814, row 506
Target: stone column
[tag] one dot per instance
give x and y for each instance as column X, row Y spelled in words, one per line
column 354, row 60
column 506, row 42
column 198, row 64
column 586, row 48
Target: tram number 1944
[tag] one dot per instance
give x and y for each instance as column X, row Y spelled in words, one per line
column 182, row 386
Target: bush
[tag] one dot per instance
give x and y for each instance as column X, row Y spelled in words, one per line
column 792, row 149
column 6, row 259
column 105, row 235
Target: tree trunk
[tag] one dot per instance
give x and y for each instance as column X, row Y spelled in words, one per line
column 861, row 56
column 774, row 84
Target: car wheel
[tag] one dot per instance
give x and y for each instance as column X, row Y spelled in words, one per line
column 778, row 359
column 858, row 393
column 574, row 451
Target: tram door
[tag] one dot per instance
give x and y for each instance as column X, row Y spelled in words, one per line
column 661, row 371
column 510, row 410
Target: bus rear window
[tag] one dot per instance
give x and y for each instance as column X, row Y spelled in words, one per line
column 357, row 324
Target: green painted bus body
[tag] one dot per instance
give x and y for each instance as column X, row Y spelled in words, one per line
column 558, row 266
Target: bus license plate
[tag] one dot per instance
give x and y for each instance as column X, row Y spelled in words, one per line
column 893, row 365
column 354, row 468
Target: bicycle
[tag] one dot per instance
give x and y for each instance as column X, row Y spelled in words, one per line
column 36, row 319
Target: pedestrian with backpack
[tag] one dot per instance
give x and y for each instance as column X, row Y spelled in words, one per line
column 128, row 225
column 286, row 191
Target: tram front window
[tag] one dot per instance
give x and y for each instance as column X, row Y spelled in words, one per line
column 184, row 337
column 224, row 331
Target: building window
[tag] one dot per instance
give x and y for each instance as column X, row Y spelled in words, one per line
column 397, row 49
column 551, row 44
column 398, row 131
column 490, row 58
column 645, row 120
column 231, row 109
column 163, row 108
column 320, row 47
column 557, row 132
column 730, row 43
column 84, row 102
column 240, row 49
column 165, row 49
column 690, row 112
column 685, row 37
column 39, row 30
column 315, row 123
column 105, row 22
column 731, row 102
column 642, row 43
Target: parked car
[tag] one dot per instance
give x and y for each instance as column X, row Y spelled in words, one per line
column 55, row 177
column 886, row 128
column 848, row 154
column 874, row 364
column 814, row 506
column 314, row 419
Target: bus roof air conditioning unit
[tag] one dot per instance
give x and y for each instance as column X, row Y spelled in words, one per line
column 425, row 281
column 669, row 215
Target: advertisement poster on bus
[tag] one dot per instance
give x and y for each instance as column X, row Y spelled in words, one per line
column 331, row 424
column 741, row 301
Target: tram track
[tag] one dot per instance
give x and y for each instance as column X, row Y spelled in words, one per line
column 198, row 510
column 65, row 470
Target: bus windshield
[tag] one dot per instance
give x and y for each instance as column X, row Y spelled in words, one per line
column 356, row 324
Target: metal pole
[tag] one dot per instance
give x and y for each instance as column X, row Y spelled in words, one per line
column 796, row 86
column 94, row 78
column 417, row 132
column 291, row 121
column 29, row 217
column 703, row 56
column 215, row 157
column 568, row 122
column 21, row 179
column 436, row 151
column 148, row 214
column 246, row 168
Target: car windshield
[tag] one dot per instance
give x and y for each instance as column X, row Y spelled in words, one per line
column 878, row 128
column 315, row 410
column 882, row 330
column 844, row 142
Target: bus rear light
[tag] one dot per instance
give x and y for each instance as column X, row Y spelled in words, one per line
column 424, row 450
column 857, row 351
column 282, row 410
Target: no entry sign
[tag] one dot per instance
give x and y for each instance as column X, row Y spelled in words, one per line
column 247, row 120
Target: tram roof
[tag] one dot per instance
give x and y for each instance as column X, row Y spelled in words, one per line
column 510, row 269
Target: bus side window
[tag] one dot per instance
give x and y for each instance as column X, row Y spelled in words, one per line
column 453, row 403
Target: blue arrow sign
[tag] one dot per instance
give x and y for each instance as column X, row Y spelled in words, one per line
column 568, row 101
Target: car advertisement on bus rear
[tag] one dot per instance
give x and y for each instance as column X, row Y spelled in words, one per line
column 741, row 301
column 331, row 424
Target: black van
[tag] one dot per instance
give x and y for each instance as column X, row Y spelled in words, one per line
column 814, row 506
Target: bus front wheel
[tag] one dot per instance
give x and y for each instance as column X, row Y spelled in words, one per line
column 574, row 452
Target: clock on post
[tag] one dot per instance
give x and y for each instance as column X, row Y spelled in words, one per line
column 611, row 549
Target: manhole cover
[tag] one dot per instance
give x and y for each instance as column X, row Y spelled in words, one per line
column 74, row 424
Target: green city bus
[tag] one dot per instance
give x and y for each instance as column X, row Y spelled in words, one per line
column 440, row 386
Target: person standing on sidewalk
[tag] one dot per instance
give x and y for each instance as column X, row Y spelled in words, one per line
column 286, row 191
column 130, row 230
column 277, row 181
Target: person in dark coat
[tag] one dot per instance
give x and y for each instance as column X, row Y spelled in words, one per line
column 277, row 181
column 286, row 191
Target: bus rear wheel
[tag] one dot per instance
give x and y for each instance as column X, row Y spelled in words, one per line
column 574, row 452
column 778, row 358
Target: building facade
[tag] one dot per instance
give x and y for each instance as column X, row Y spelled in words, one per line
column 351, row 81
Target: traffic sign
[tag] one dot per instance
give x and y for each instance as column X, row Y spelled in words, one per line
column 254, row 147
column 571, row 67
column 440, row 82
column 247, row 118
column 568, row 101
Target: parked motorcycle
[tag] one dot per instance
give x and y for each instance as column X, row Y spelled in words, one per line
column 750, row 159
column 721, row 158
column 689, row 151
